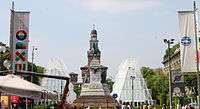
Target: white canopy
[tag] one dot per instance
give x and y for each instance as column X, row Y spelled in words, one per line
column 15, row 85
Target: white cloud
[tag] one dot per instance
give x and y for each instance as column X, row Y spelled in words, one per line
column 117, row 6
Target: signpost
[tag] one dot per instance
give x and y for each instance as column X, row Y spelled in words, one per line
column 178, row 83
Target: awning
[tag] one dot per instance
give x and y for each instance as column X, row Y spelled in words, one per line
column 15, row 85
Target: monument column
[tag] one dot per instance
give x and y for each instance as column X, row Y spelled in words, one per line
column 94, row 91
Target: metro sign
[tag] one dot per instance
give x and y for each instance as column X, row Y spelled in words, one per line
column 186, row 41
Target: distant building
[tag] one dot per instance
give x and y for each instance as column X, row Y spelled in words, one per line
column 158, row 71
column 175, row 62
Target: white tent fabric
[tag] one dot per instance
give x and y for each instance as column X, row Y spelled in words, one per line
column 57, row 67
column 123, row 84
column 15, row 85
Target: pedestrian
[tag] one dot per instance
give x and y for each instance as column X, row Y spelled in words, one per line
column 190, row 107
column 186, row 107
column 145, row 106
column 164, row 106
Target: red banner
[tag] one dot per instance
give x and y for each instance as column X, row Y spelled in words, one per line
column 14, row 99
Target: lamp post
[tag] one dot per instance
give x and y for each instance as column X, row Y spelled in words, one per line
column 33, row 53
column 169, row 42
column 132, row 81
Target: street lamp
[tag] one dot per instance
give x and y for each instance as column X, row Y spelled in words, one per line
column 33, row 53
column 169, row 42
column 132, row 81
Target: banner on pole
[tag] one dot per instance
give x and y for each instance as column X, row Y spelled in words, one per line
column 178, row 89
column 177, row 77
column 19, row 36
column 187, row 42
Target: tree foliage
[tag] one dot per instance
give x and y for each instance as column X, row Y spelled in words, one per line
column 110, row 83
column 77, row 89
column 157, row 83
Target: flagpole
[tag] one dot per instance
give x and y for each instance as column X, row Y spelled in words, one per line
column 11, row 37
column 197, row 56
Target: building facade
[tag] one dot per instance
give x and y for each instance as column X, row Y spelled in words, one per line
column 175, row 62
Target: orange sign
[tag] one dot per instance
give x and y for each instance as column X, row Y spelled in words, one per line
column 4, row 101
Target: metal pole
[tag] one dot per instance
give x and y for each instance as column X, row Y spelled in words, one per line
column 197, row 56
column 12, row 24
column 32, row 62
column 26, row 103
column 132, row 93
column 132, row 78
column 44, row 99
column 61, row 86
column 170, row 78
column 169, row 42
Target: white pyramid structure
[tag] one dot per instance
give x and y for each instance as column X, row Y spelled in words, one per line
column 58, row 68
column 123, row 84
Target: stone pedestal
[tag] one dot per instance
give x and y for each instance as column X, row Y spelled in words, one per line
column 93, row 89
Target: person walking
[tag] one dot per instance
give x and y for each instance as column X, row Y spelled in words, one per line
column 164, row 106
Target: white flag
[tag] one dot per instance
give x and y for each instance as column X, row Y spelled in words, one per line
column 187, row 43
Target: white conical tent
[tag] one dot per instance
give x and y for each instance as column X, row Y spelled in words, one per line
column 123, row 84
column 57, row 67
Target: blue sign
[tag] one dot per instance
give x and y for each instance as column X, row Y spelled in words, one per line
column 115, row 96
column 186, row 41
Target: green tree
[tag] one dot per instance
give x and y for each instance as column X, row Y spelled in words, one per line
column 37, row 69
column 147, row 72
column 110, row 83
column 77, row 89
column 157, row 83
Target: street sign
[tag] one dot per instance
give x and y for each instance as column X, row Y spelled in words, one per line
column 178, row 89
column 186, row 41
column 115, row 96
column 177, row 77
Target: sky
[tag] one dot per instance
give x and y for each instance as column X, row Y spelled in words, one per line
column 60, row 29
